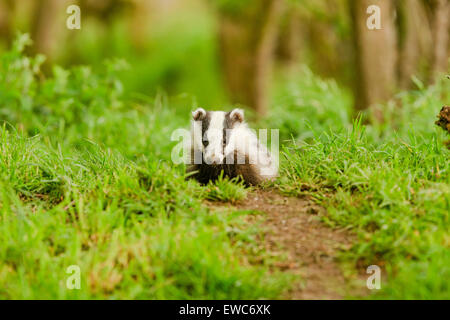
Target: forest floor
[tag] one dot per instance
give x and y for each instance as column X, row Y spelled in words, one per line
column 292, row 229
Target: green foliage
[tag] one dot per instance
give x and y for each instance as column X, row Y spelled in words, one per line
column 232, row 6
column 177, row 54
column 69, row 98
column 426, row 275
column 305, row 103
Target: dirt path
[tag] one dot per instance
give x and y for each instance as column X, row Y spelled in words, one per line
column 292, row 227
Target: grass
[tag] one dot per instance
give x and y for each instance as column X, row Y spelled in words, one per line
column 390, row 183
column 226, row 190
column 86, row 179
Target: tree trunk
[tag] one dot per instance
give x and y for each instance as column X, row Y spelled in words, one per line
column 324, row 45
column 247, row 42
column 376, row 55
column 290, row 37
column 46, row 26
column 6, row 33
column 415, row 40
column 440, row 29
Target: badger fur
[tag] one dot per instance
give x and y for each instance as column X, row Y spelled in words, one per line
column 222, row 141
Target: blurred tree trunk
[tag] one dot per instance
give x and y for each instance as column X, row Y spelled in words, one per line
column 440, row 28
column 141, row 14
column 247, row 42
column 6, row 9
column 376, row 55
column 415, row 40
column 45, row 25
column 324, row 45
column 290, row 37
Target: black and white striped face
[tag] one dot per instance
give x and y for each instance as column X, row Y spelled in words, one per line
column 211, row 130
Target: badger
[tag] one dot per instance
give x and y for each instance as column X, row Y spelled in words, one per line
column 222, row 142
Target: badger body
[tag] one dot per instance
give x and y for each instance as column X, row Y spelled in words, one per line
column 222, row 141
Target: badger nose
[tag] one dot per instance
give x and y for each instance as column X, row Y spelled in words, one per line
column 216, row 159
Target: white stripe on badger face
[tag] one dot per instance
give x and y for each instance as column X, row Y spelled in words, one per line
column 196, row 140
column 214, row 136
column 244, row 141
column 197, row 135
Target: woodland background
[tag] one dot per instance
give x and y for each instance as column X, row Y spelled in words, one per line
column 226, row 51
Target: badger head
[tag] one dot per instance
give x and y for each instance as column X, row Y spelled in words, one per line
column 210, row 131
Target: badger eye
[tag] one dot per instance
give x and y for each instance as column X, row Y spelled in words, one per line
column 205, row 143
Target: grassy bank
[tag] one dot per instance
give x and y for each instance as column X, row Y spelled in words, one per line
column 86, row 179
column 388, row 182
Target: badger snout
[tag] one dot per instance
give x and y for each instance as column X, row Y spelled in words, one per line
column 214, row 158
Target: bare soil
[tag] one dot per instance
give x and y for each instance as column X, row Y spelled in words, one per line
column 292, row 228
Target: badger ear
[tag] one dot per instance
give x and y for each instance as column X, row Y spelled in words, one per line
column 237, row 115
column 199, row 114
